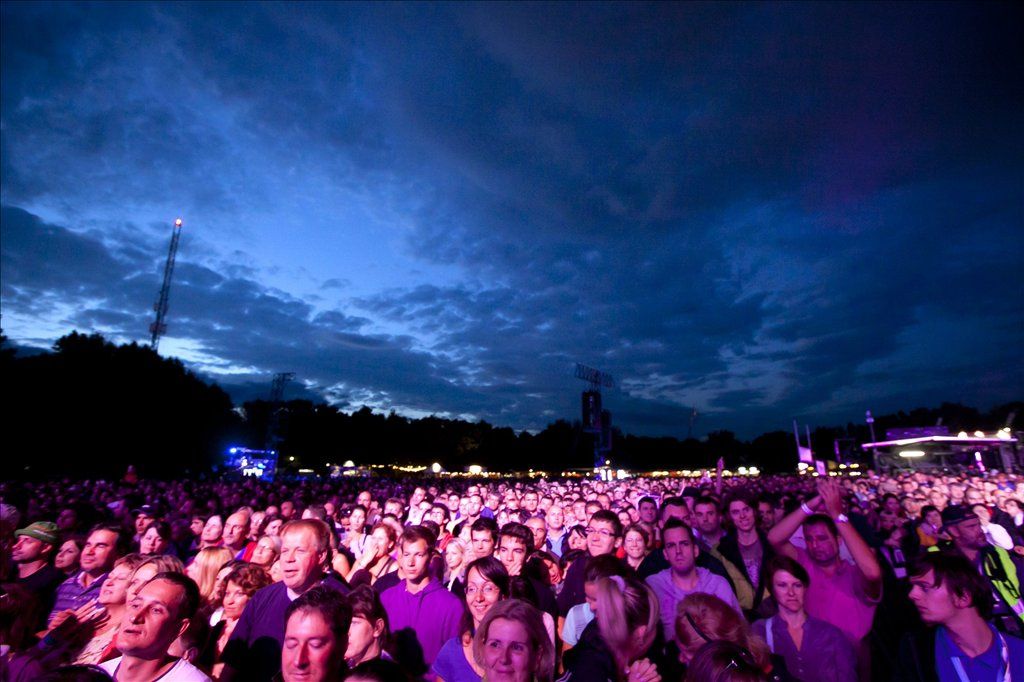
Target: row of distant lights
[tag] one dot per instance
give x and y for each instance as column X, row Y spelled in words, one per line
column 805, row 469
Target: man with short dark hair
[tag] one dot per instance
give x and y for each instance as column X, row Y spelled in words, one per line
column 950, row 594
column 483, row 535
column 708, row 521
column 648, row 509
column 604, row 536
column 683, row 576
column 158, row 615
column 104, row 545
column 515, row 545
column 315, row 637
column 423, row 615
column 840, row 593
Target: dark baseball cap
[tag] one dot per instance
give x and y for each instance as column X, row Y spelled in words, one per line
column 955, row 514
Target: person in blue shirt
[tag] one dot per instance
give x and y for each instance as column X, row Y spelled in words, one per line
column 951, row 595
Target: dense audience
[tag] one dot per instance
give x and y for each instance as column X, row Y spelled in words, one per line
column 912, row 576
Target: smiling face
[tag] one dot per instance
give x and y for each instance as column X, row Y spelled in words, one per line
column 508, row 653
column 742, row 516
column 635, row 545
column 601, row 538
column 481, row 595
column 115, row 587
column 99, row 552
column 301, row 560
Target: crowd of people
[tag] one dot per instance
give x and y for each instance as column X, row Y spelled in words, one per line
column 912, row 576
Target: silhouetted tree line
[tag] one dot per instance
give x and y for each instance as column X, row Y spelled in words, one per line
column 90, row 408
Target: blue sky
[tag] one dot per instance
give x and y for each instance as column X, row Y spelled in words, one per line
column 763, row 211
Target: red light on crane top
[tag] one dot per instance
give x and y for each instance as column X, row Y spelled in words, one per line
column 177, row 223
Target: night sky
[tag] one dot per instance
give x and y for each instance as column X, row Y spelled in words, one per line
column 761, row 211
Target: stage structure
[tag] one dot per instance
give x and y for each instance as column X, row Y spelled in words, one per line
column 935, row 448
column 595, row 418
column 159, row 327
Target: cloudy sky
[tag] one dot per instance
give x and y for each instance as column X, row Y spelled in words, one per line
column 761, row 211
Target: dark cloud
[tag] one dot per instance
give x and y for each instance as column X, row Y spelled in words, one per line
column 761, row 210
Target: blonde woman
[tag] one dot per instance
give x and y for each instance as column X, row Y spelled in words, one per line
column 455, row 560
column 511, row 644
column 703, row 618
column 162, row 563
column 614, row 646
column 204, row 568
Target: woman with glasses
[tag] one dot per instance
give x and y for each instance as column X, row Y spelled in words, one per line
column 487, row 583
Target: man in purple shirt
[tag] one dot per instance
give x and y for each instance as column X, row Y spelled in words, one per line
column 254, row 651
column 103, row 547
column 684, row 576
column 423, row 615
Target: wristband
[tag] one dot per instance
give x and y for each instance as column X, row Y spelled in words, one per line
column 806, row 510
column 842, row 518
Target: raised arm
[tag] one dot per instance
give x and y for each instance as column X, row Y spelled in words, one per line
column 863, row 556
column 782, row 531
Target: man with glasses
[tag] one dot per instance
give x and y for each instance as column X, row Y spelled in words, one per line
column 604, row 536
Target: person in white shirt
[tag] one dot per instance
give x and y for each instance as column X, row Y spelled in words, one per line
column 994, row 533
column 158, row 614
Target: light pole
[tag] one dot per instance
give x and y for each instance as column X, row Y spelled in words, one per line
column 871, row 426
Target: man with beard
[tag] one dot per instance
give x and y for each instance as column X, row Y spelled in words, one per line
column 995, row 564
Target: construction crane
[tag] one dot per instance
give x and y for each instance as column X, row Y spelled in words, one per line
column 158, row 327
